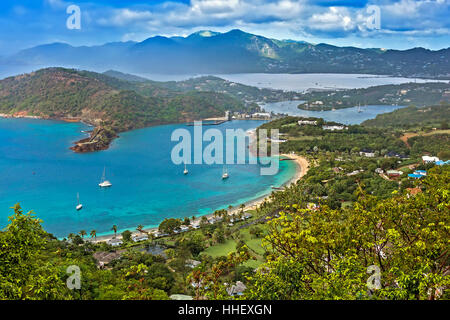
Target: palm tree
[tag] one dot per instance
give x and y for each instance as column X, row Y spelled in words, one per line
column 242, row 206
column 82, row 233
column 70, row 236
column 140, row 228
column 114, row 228
column 93, row 234
column 230, row 207
column 193, row 218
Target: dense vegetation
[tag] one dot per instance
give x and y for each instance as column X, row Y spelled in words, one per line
column 107, row 102
column 412, row 117
column 309, row 253
column 402, row 94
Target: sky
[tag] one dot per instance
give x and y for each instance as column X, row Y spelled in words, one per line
column 402, row 24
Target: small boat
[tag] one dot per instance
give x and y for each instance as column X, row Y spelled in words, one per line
column 104, row 183
column 359, row 109
column 79, row 206
column 225, row 174
column 185, row 170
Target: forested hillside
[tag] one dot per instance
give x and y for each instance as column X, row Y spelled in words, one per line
column 112, row 105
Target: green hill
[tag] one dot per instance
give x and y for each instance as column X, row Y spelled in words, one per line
column 110, row 104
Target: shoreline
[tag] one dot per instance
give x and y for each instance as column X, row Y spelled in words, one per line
column 302, row 167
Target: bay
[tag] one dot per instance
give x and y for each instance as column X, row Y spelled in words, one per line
column 38, row 170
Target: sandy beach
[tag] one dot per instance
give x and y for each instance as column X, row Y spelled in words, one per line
column 302, row 167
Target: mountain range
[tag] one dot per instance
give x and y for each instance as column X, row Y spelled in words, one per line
column 208, row 52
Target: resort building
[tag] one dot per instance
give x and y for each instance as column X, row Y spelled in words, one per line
column 115, row 242
column 394, row 173
column 307, row 122
column 261, row 115
column 428, row 159
column 417, row 174
column 138, row 238
column 367, row 153
column 334, row 128
column 184, row 228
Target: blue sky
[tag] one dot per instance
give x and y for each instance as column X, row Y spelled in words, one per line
column 404, row 23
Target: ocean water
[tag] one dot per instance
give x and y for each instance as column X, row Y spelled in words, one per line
column 304, row 81
column 345, row 116
column 38, row 170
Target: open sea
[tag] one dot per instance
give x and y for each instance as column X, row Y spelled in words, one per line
column 38, row 170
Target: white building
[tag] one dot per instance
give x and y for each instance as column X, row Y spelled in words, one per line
column 141, row 237
column 261, row 115
column 115, row 242
column 333, row 128
column 307, row 122
column 428, row 159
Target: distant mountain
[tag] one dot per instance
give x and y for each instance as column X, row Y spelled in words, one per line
column 237, row 52
column 110, row 104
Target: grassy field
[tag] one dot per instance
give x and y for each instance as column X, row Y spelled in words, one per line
column 254, row 244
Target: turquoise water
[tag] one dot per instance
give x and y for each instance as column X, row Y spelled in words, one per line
column 38, row 170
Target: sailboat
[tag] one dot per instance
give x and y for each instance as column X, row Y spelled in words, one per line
column 104, row 183
column 359, row 108
column 225, row 173
column 79, row 206
column 185, row 170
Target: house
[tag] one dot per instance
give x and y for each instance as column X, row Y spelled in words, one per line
column 307, row 122
column 247, row 216
column 184, row 228
column 379, row 170
column 421, row 172
column 337, row 169
column 103, row 258
column 138, row 238
column 394, row 173
column 413, row 191
column 393, row 154
column 354, row 173
column 261, row 115
column 192, row 263
column 237, row 289
column 115, row 242
column 334, row 128
column 367, row 153
column 428, row 159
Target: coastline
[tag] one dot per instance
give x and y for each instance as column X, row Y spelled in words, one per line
column 302, row 167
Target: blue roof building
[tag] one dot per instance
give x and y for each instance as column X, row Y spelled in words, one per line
column 441, row 163
column 415, row 176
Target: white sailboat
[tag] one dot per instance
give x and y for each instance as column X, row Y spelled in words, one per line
column 104, row 183
column 79, row 206
column 185, row 169
column 359, row 108
column 225, row 173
